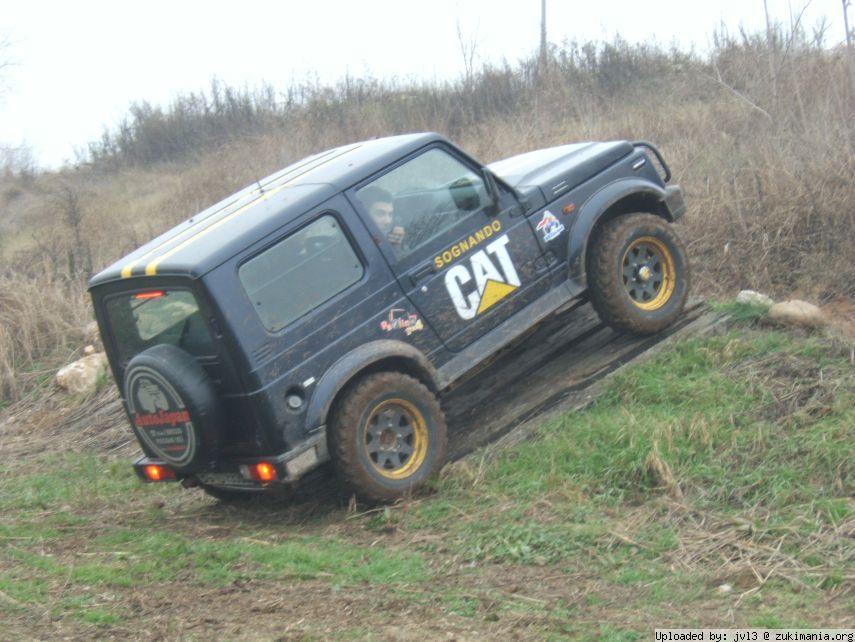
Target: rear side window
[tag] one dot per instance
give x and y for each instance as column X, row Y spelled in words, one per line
column 144, row 319
column 300, row 272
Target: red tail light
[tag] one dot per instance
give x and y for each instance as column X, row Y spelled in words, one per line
column 156, row 473
column 154, row 294
column 262, row 471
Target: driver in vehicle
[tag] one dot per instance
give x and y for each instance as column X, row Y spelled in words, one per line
column 379, row 204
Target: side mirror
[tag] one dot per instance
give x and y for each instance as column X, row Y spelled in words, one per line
column 493, row 189
column 495, row 205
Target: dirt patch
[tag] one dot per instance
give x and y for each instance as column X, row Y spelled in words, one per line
column 797, row 384
column 57, row 423
column 841, row 311
column 462, row 601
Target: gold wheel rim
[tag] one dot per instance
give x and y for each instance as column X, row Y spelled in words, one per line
column 649, row 273
column 395, row 438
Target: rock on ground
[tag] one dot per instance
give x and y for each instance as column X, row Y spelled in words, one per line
column 751, row 297
column 796, row 312
column 81, row 377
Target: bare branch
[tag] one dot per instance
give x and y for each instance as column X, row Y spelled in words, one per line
column 846, row 4
column 5, row 60
column 5, row 43
column 720, row 81
column 468, row 47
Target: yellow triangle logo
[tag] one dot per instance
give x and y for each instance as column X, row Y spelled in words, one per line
column 494, row 292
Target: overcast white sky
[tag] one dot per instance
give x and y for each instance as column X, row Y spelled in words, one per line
column 80, row 64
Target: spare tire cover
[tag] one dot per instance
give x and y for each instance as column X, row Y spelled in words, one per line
column 173, row 407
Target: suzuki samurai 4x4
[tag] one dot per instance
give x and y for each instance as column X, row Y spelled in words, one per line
column 321, row 312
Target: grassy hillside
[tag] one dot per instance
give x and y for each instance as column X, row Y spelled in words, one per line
column 711, row 486
column 759, row 133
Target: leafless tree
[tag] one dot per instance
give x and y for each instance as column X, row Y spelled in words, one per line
column 70, row 210
column 468, row 48
column 846, row 5
column 543, row 52
column 17, row 161
column 5, row 59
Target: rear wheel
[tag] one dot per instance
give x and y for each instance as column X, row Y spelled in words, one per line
column 638, row 274
column 388, row 435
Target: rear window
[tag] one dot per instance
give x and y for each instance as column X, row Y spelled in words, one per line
column 143, row 319
column 300, row 272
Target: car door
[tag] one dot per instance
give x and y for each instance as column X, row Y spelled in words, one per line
column 465, row 264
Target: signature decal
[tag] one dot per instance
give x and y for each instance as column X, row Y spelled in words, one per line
column 487, row 278
column 465, row 245
column 400, row 319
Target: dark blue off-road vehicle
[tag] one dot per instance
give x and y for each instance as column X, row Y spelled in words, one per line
column 322, row 312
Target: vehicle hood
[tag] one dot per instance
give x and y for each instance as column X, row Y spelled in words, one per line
column 550, row 172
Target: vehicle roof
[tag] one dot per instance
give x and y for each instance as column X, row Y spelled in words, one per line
column 205, row 240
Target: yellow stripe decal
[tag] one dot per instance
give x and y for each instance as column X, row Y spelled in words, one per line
column 127, row 271
column 151, row 268
column 289, row 175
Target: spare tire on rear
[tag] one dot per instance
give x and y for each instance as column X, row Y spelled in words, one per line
column 173, row 407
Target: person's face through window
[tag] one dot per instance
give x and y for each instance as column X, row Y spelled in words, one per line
column 381, row 212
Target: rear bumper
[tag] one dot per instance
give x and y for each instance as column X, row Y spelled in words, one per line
column 235, row 473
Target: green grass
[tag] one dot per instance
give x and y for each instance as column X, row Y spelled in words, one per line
column 749, row 433
column 126, row 558
column 73, row 481
column 97, row 616
column 740, row 311
column 159, row 554
column 712, row 419
column 711, row 409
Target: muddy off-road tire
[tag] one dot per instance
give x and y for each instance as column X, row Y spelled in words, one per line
column 638, row 274
column 388, row 436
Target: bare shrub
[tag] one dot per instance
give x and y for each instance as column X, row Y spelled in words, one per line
column 40, row 327
column 759, row 133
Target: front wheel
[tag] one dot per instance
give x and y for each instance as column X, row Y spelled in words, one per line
column 388, row 436
column 638, row 274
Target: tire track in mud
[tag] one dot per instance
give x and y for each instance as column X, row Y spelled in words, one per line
column 558, row 365
column 554, row 366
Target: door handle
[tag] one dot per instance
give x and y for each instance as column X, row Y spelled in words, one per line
column 421, row 273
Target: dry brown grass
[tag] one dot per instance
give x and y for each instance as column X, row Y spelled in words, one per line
column 748, row 550
column 766, row 164
column 41, row 325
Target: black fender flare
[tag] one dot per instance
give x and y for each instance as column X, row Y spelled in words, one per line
column 642, row 194
column 347, row 367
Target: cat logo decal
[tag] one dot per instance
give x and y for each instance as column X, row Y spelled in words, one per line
column 487, row 278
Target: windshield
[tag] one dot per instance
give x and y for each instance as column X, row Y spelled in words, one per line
column 143, row 319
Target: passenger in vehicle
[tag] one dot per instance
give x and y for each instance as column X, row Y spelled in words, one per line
column 379, row 204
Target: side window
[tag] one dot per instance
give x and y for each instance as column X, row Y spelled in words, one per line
column 300, row 272
column 422, row 198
